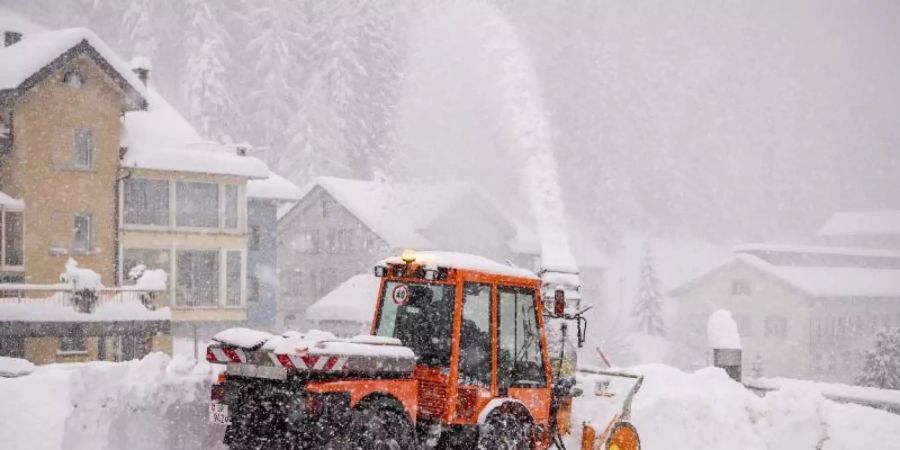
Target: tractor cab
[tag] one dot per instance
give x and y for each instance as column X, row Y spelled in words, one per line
column 476, row 327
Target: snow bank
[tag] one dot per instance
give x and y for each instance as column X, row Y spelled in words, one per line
column 155, row 403
column 159, row 403
column 835, row 391
column 14, row 367
column 676, row 410
column 722, row 331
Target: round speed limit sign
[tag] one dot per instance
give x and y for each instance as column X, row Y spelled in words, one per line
column 400, row 295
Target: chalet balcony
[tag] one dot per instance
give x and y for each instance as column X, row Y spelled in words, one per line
column 61, row 302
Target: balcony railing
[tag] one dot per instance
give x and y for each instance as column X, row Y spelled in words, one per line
column 84, row 301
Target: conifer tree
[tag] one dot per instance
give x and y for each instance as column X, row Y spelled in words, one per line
column 206, row 98
column 648, row 309
column 881, row 365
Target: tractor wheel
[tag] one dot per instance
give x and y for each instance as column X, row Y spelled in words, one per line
column 504, row 431
column 373, row 428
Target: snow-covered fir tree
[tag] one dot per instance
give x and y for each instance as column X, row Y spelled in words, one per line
column 648, row 309
column 205, row 96
column 276, row 51
column 881, row 365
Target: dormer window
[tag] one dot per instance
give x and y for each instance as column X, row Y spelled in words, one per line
column 73, row 78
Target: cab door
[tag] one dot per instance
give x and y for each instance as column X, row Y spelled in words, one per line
column 521, row 373
column 475, row 367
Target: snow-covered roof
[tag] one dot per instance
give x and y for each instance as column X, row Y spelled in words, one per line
column 26, row 58
column 862, row 223
column 49, row 310
column 818, row 281
column 464, row 261
column 9, row 202
column 352, row 301
column 397, row 212
column 161, row 139
column 275, row 187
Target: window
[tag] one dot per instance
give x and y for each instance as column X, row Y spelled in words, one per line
column 73, row 78
column 83, row 149
column 197, row 278
column 740, row 287
column 420, row 315
column 72, row 340
column 150, row 258
column 13, row 252
column 252, row 289
column 197, row 205
column 309, row 241
column 233, row 278
column 475, row 356
column 82, row 233
column 520, row 360
column 146, row 202
column 776, row 326
column 231, row 206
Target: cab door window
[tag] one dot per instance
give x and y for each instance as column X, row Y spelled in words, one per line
column 475, row 358
column 519, row 357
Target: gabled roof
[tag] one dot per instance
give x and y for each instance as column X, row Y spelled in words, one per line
column 819, row 282
column 862, row 223
column 275, row 187
column 159, row 138
column 397, row 212
column 38, row 55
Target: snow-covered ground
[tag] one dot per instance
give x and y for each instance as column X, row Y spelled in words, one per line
column 159, row 403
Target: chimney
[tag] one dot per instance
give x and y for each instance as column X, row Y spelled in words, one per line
column 11, row 37
column 141, row 67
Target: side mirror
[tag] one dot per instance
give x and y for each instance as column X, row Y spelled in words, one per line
column 559, row 303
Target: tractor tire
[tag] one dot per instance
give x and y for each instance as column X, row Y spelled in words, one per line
column 504, row 431
column 375, row 428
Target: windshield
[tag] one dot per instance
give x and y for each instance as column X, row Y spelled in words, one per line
column 420, row 315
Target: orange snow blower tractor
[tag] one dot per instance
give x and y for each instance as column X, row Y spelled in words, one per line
column 457, row 359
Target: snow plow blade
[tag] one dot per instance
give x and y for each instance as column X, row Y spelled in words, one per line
column 255, row 354
column 607, row 400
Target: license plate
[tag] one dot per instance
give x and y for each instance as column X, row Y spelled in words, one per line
column 218, row 414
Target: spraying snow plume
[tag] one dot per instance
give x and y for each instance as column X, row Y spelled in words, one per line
column 523, row 117
column 472, row 94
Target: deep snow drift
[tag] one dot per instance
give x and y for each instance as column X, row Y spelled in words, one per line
column 159, row 403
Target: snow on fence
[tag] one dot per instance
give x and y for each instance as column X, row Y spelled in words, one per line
column 62, row 294
column 62, row 303
column 883, row 399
